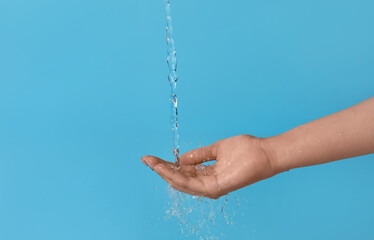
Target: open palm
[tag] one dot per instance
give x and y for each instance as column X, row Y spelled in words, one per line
column 240, row 161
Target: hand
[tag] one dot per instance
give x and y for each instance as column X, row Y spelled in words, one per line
column 240, row 161
column 243, row 160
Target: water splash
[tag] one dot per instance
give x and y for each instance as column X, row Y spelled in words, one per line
column 200, row 217
column 173, row 79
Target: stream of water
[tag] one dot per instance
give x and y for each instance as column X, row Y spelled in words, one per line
column 196, row 216
column 173, row 79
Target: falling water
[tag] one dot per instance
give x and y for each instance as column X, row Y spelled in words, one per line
column 173, row 78
column 196, row 215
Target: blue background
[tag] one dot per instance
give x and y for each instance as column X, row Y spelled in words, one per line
column 84, row 94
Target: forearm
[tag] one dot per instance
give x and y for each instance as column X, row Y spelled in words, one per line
column 345, row 134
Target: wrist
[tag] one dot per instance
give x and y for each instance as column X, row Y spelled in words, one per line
column 276, row 149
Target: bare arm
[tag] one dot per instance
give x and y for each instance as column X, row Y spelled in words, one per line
column 345, row 134
column 243, row 160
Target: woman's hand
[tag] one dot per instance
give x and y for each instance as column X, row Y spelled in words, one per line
column 243, row 160
column 240, row 161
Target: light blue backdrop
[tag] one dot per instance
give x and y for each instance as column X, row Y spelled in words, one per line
column 84, row 94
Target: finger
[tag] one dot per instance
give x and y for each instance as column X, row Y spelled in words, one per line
column 178, row 180
column 188, row 191
column 187, row 179
column 203, row 170
column 199, row 155
column 167, row 170
column 196, row 170
column 188, row 170
column 152, row 161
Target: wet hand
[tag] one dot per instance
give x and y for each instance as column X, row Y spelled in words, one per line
column 240, row 161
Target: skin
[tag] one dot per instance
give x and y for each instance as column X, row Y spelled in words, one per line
column 243, row 160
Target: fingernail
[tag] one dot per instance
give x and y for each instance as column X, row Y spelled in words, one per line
column 147, row 163
column 144, row 161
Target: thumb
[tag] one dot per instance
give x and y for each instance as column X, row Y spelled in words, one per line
column 199, row 155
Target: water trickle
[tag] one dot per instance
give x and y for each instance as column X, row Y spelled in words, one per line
column 197, row 216
column 200, row 217
column 173, row 79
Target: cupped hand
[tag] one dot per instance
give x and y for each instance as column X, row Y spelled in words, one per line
column 240, row 161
